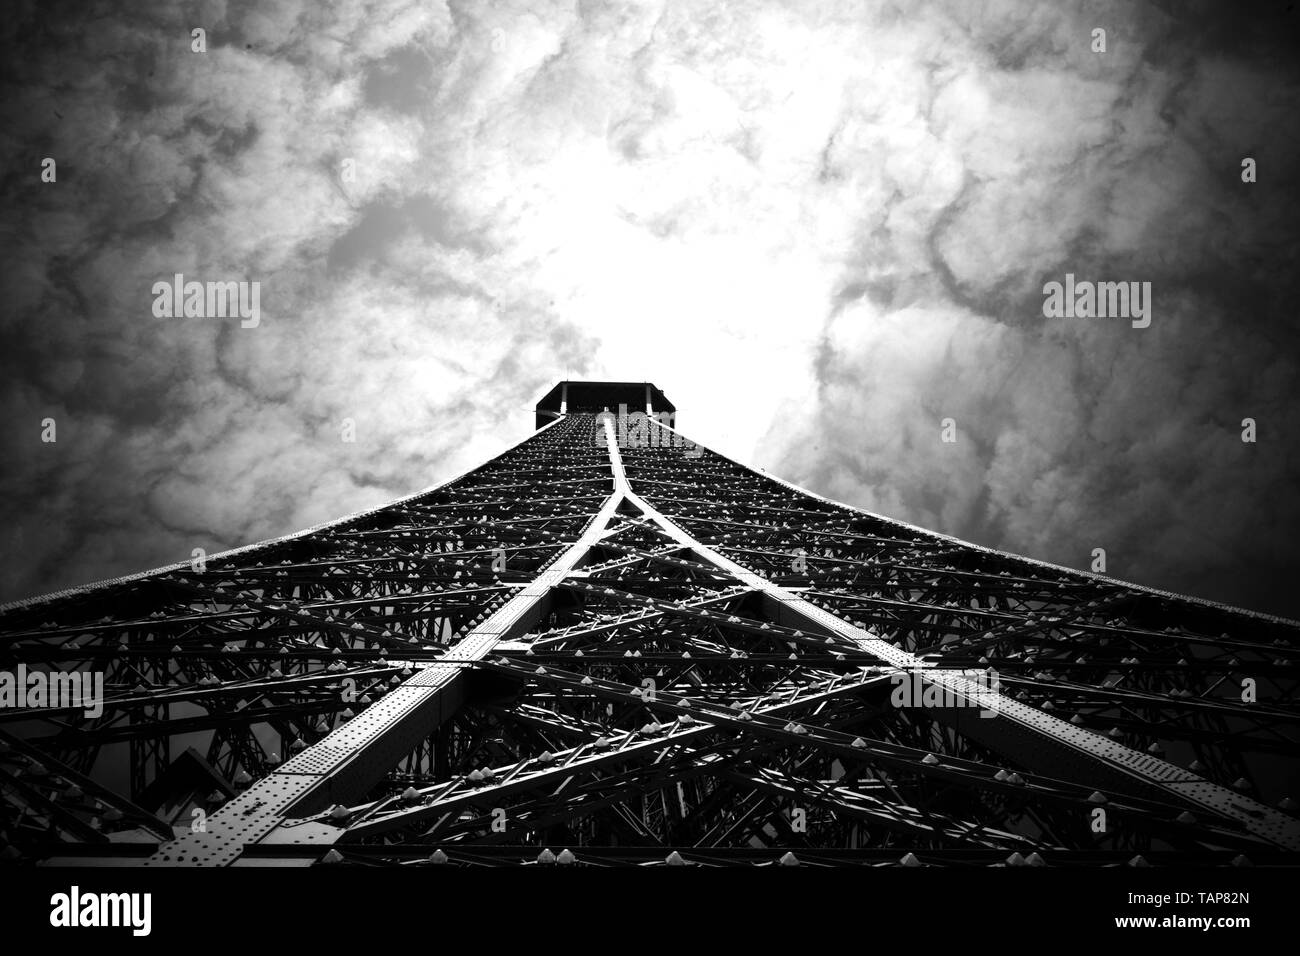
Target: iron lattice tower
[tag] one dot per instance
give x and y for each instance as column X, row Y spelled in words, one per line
column 610, row 646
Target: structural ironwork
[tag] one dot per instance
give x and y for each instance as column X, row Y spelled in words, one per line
column 612, row 646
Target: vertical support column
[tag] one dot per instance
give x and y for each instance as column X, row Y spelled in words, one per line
column 149, row 756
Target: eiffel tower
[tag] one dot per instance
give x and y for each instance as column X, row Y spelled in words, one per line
column 612, row 646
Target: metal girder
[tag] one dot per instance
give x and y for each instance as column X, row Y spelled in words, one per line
column 613, row 644
column 1015, row 726
column 345, row 764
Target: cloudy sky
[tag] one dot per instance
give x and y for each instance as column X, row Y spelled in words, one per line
column 822, row 228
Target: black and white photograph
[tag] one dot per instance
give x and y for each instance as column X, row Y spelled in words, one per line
column 740, row 461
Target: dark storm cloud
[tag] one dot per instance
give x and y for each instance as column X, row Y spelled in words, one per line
column 380, row 306
column 821, row 227
column 1076, row 434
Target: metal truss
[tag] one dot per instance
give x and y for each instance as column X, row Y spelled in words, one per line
column 601, row 652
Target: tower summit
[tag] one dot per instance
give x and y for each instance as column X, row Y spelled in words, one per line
column 586, row 650
column 576, row 397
